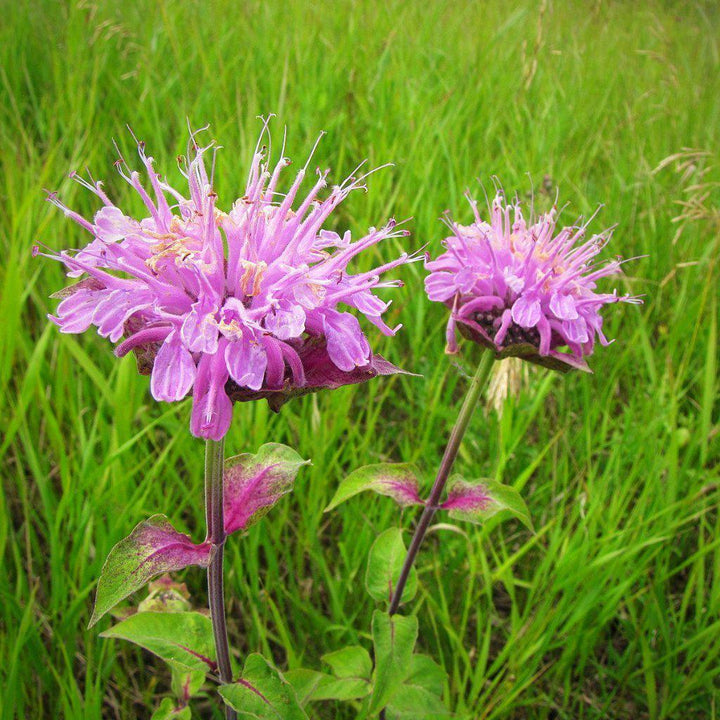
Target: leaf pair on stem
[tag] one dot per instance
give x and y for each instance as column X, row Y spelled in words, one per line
column 252, row 485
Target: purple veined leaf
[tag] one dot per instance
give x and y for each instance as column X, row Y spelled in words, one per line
column 254, row 483
column 396, row 480
column 182, row 639
column 152, row 548
column 263, row 693
column 478, row 500
column 169, row 710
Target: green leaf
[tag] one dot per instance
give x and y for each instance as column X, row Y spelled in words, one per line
column 411, row 702
column 420, row 696
column 394, row 639
column 426, row 673
column 168, row 711
column 263, row 693
column 185, row 639
column 385, row 562
column 350, row 662
column 186, row 683
column 352, row 670
column 479, row 500
column 311, row 685
column 305, row 682
column 396, row 480
column 152, row 548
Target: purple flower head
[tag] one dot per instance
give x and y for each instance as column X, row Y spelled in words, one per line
column 521, row 289
column 232, row 305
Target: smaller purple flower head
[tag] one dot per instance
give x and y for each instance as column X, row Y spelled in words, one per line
column 231, row 305
column 522, row 289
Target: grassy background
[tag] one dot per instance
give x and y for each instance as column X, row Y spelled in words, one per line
column 611, row 609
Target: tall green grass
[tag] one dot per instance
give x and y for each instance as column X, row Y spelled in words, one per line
column 611, row 609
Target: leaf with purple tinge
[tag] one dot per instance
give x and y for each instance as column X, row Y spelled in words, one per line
column 168, row 710
column 152, row 548
column 182, row 639
column 254, row 483
column 396, row 480
column 478, row 500
column 263, row 693
column 321, row 373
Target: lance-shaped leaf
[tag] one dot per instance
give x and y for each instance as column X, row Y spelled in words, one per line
column 396, row 480
column 479, row 500
column 152, row 548
column 393, row 639
column 385, row 562
column 183, row 639
column 254, row 483
column 263, row 693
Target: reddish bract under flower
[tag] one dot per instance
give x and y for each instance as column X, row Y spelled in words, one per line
column 522, row 290
column 231, row 305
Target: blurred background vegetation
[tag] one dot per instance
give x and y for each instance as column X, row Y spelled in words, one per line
column 611, row 609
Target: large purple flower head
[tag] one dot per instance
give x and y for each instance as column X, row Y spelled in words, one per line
column 234, row 305
column 521, row 289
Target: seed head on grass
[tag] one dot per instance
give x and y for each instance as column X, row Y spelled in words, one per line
column 238, row 305
column 522, row 289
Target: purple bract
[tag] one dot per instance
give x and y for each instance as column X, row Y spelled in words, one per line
column 519, row 289
column 232, row 305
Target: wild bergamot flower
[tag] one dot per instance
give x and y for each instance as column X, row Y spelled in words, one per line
column 234, row 305
column 521, row 289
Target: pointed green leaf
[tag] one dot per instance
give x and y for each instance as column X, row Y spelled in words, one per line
column 152, row 548
column 254, row 483
column 311, row 685
column 393, row 639
column 420, row 696
column 263, row 693
column 352, row 670
column 479, row 500
column 396, row 480
column 169, row 711
column 350, row 662
column 385, row 562
column 186, row 683
column 185, row 638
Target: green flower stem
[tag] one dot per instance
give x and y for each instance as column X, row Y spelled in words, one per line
column 214, row 456
column 471, row 399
